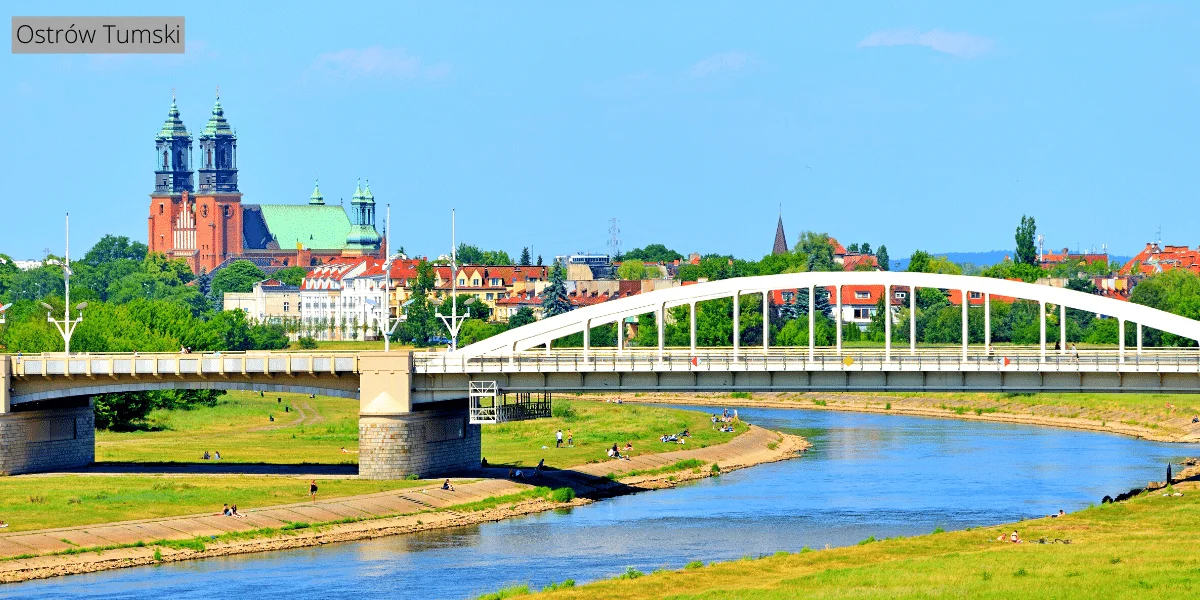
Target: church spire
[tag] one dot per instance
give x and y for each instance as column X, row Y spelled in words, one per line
column 173, row 155
column 218, row 153
column 781, row 246
column 316, row 197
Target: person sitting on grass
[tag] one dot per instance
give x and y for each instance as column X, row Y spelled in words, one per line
column 446, row 486
column 3, row 524
column 206, row 455
column 628, row 448
column 233, row 512
column 1014, row 538
column 226, row 512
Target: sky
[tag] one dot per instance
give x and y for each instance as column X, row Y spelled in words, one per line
column 927, row 125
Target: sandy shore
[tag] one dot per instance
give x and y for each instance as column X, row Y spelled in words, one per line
column 754, row 447
column 928, row 407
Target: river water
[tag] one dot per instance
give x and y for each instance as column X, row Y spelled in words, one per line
column 867, row 475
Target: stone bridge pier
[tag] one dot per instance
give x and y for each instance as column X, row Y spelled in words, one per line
column 44, row 436
column 396, row 437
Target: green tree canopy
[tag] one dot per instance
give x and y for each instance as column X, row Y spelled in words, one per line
column 1026, row 245
column 632, row 270
column 652, row 253
column 819, row 250
column 238, row 276
column 554, row 297
column 881, row 256
column 291, row 275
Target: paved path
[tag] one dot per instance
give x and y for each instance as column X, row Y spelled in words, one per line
column 741, row 450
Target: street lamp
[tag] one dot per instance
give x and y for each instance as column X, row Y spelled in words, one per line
column 454, row 322
column 388, row 327
column 66, row 326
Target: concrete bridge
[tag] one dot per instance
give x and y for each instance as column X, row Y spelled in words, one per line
column 421, row 412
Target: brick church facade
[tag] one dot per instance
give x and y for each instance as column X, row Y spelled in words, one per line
column 207, row 224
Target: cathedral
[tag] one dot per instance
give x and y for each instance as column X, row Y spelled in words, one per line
column 205, row 221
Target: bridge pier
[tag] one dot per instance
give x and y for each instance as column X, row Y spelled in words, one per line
column 397, row 439
column 47, row 436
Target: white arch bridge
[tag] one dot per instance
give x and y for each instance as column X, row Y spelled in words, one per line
column 523, row 359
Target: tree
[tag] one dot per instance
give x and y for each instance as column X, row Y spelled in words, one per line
column 823, row 305
column 524, row 316
column 539, row 260
column 496, row 257
column 865, row 248
column 469, row 254
column 819, row 250
column 881, row 256
column 852, row 247
column 1026, row 247
column 1176, row 291
column 420, row 324
column 919, row 262
column 526, row 260
column 291, row 275
column 554, row 297
column 111, row 248
column 238, row 276
column 1008, row 269
column 652, row 253
column 632, row 270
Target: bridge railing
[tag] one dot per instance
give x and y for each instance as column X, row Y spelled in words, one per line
column 182, row 364
column 786, row 359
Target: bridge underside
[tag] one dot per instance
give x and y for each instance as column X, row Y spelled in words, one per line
column 439, row 386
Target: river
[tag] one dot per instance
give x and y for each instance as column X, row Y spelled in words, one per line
column 866, row 475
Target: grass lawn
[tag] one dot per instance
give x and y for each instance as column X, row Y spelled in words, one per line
column 40, row 502
column 1144, row 548
column 313, row 430
column 596, row 426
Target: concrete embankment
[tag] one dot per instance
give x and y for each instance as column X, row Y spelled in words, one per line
column 67, row 551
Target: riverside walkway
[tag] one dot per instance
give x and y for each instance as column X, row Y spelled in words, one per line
column 427, row 505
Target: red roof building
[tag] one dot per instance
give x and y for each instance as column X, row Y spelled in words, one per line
column 1155, row 259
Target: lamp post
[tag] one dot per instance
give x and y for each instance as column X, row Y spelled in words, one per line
column 453, row 322
column 66, row 326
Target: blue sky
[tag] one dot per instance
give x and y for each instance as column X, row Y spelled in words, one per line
column 932, row 125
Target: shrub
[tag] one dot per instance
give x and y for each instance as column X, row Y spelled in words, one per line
column 888, row 407
column 562, row 494
column 939, row 530
column 508, row 592
column 563, row 410
column 819, row 402
column 307, row 343
column 870, row 539
column 695, row 564
column 740, row 395
column 157, row 555
column 630, row 573
column 570, row 583
column 412, row 477
column 716, row 469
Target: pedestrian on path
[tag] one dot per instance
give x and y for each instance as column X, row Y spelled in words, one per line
column 312, row 489
column 558, row 439
column 570, row 439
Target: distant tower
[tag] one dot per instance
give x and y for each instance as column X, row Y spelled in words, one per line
column 218, row 204
column 614, row 243
column 169, row 203
column 781, row 246
column 316, row 198
column 363, row 237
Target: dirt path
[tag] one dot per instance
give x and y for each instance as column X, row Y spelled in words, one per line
column 372, row 515
column 306, row 414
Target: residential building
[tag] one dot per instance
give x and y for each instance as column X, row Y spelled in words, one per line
column 579, row 294
column 486, row 283
column 271, row 301
column 1049, row 260
column 580, row 267
column 344, row 300
column 1156, row 258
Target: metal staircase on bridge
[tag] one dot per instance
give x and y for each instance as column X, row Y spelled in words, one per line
column 489, row 406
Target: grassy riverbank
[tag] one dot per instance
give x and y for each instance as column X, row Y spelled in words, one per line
column 312, row 432
column 44, row 502
column 1142, row 548
column 1160, row 417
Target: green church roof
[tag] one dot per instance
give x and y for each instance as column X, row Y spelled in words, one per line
column 174, row 125
column 217, row 125
column 315, row 226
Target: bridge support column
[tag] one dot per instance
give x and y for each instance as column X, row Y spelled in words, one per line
column 49, row 439
column 912, row 320
column 1062, row 328
column 692, row 326
column 1120, row 340
column 396, row 439
column 1139, row 339
column 737, row 327
column 838, row 321
column 1042, row 329
column 587, row 339
column 887, row 322
column 966, row 303
column 812, row 322
column 987, row 323
column 766, row 321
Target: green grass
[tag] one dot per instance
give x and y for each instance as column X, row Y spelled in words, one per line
column 239, row 428
column 72, row 500
column 596, row 427
column 1141, row 548
column 679, row 465
column 497, row 501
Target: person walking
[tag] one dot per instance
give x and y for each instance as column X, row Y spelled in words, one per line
column 570, row 439
column 312, row 489
column 558, row 439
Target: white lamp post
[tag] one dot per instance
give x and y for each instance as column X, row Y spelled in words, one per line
column 66, row 326
column 454, row 321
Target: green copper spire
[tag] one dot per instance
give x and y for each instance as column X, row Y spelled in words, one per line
column 357, row 198
column 363, row 235
column 174, row 125
column 367, row 195
column 316, row 197
column 217, row 125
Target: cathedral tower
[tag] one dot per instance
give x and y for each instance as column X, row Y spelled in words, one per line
column 172, row 186
column 218, row 204
column 363, row 237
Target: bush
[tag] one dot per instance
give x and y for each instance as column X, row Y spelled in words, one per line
column 562, row 494
column 563, row 410
column 508, row 592
column 695, row 564
column 307, row 343
column 630, row 573
column 570, row 583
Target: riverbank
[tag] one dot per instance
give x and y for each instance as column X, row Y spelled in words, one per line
column 1142, row 547
column 50, row 553
column 1154, row 417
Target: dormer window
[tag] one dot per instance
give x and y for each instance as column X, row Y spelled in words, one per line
column 862, row 295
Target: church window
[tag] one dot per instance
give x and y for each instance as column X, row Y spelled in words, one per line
column 164, row 160
column 227, row 211
column 210, row 158
column 161, row 208
column 204, row 210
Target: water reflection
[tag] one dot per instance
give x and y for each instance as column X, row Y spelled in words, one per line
column 867, row 475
